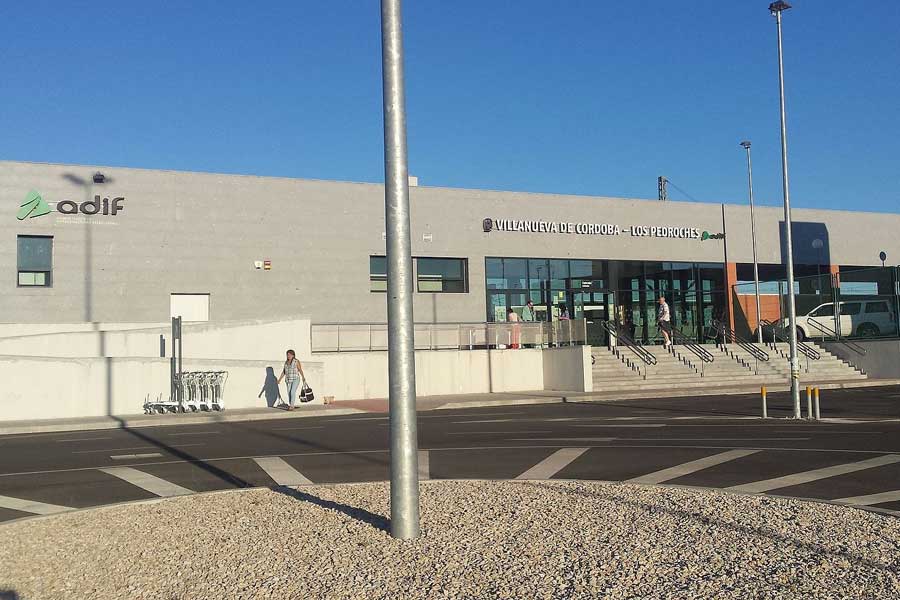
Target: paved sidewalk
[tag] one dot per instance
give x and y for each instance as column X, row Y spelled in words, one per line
column 380, row 405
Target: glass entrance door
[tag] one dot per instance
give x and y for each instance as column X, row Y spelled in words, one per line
column 594, row 308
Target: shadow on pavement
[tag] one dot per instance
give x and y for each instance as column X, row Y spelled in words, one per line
column 9, row 595
column 360, row 514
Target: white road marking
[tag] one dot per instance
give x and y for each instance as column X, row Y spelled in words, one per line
column 564, row 439
column 134, row 448
column 492, row 432
column 630, row 439
column 766, row 485
column 298, row 428
column 492, row 421
column 30, row 506
column 82, row 439
column 196, row 433
column 146, row 481
column 424, row 465
column 553, row 464
column 871, row 499
column 281, row 472
column 601, row 426
column 135, row 456
column 691, row 466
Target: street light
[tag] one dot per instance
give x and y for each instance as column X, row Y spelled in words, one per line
column 759, row 336
column 776, row 8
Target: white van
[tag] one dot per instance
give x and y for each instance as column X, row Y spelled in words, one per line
column 863, row 318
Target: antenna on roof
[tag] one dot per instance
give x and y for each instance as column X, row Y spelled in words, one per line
column 661, row 185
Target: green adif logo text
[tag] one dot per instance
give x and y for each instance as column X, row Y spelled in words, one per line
column 711, row 236
column 35, row 206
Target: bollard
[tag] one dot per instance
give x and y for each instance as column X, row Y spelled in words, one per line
column 762, row 393
column 809, row 406
column 816, row 400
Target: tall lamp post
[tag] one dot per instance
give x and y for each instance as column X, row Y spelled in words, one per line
column 776, row 8
column 759, row 336
column 401, row 348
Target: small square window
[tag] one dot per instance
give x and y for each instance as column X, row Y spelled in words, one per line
column 378, row 273
column 34, row 258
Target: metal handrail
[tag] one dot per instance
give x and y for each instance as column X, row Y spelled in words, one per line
column 729, row 334
column 698, row 350
column 778, row 333
column 828, row 332
column 616, row 330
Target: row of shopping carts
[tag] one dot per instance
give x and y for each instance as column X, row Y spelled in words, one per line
column 192, row 391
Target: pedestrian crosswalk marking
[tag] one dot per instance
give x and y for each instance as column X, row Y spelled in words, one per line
column 765, row 485
column 281, row 472
column 553, row 464
column 146, row 481
column 691, row 467
column 870, row 499
column 31, row 506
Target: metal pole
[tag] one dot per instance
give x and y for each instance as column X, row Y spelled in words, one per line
column 759, row 335
column 792, row 309
column 401, row 345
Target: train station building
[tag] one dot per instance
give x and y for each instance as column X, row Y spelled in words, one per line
column 110, row 244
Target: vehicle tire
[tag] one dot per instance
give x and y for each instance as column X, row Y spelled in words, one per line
column 801, row 337
column 868, row 330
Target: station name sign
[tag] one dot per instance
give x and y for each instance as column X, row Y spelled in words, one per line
column 654, row 231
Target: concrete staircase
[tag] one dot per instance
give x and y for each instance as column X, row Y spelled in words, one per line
column 621, row 370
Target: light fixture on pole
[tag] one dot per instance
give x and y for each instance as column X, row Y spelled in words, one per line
column 776, row 8
column 759, row 336
column 401, row 348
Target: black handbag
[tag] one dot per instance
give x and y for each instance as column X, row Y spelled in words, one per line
column 306, row 393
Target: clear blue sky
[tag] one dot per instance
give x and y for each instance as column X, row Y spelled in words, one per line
column 580, row 97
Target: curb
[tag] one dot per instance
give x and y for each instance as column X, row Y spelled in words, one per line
column 148, row 501
column 169, row 420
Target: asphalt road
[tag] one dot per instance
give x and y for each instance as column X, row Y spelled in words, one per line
column 711, row 441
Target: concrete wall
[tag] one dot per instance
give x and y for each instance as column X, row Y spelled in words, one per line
column 201, row 233
column 242, row 340
column 881, row 361
column 352, row 375
column 568, row 369
column 44, row 388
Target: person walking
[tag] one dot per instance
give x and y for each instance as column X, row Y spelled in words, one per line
column 528, row 312
column 292, row 373
column 664, row 321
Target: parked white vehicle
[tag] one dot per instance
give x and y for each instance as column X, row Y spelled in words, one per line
column 863, row 318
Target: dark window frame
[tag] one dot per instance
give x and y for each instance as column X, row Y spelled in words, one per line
column 377, row 278
column 48, row 274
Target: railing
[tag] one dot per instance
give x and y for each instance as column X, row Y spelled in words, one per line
column 828, row 332
column 678, row 337
column 618, row 338
column 729, row 334
column 368, row 337
column 779, row 332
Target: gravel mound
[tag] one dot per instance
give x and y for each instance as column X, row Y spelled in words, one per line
column 480, row 539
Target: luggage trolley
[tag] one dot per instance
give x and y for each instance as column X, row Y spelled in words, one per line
column 195, row 391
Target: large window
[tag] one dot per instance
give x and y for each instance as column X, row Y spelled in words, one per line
column 35, row 260
column 378, row 273
column 447, row 275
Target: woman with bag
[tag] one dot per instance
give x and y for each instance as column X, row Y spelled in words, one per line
column 292, row 373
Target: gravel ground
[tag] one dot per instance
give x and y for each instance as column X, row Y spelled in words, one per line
column 480, row 540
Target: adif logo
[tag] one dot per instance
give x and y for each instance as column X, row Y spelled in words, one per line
column 34, row 206
column 487, row 225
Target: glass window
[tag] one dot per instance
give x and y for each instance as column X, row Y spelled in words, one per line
column 378, row 273
column 538, row 273
column 442, row 275
column 876, row 307
column 826, row 310
column 515, row 273
column 559, row 273
column 850, row 308
column 493, row 268
column 35, row 260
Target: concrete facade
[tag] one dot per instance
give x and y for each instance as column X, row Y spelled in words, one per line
column 183, row 232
